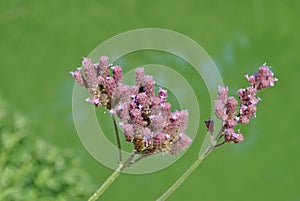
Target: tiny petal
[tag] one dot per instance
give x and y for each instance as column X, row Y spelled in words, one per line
column 94, row 101
column 251, row 79
column 244, row 119
column 236, row 138
column 228, row 133
column 166, row 108
column 230, row 123
column 162, row 94
column 117, row 74
column 142, row 99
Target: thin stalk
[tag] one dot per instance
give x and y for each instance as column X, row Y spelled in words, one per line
column 189, row 171
column 220, row 144
column 220, row 133
column 186, row 174
column 111, row 178
column 118, row 138
column 180, row 180
column 140, row 158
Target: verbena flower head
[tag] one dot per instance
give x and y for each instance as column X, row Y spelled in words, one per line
column 226, row 107
column 96, row 78
column 146, row 118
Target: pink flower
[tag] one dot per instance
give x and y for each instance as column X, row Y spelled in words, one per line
column 156, row 129
column 145, row 118
column 226, row 107
column 117, row 74
column 264, row 78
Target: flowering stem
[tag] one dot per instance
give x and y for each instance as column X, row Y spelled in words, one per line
column 220, row 144
column 111, row 178
column 187, row 173
column 180, row 180
column 219, row 135
column 118, row 138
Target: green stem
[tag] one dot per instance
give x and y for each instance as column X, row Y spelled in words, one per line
column 106, row 184
column 111, row 178
column 118, row 138
column 187, row 173
column 180, row 180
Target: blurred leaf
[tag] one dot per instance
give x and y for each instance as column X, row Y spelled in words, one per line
column 35, row 170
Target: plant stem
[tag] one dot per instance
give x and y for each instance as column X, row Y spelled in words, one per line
column 188, row 172
column 111, row 178
column 118, row 138
column 180, row 180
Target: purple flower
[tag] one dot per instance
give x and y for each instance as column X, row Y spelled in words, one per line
column 117, row 74
column 226, row 107
column 264, row 78
column 96, row 78
column 231, row 136
column 145, row 118
column 103, row 67
column 77, row 75
column 90, row 75
column 156, row 129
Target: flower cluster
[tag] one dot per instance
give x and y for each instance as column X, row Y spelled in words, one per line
column 146, row 119
column 226, row 107
column 96, row 78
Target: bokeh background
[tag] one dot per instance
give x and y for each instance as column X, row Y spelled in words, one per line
column 41, row 41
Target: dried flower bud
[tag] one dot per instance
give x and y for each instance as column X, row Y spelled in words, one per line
column 210, row 125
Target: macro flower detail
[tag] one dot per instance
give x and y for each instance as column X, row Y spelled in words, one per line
column 96, row 78
column 153, row 127
column 149, row 124
column 145, row 118
column 226, row 107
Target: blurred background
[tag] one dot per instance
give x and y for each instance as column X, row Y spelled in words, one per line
column 41, row 41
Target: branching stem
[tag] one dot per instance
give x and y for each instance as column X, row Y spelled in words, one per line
column 118, row 138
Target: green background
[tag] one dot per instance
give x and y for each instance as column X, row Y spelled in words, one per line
column 41, row 41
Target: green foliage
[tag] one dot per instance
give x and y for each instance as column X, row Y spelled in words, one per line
column 35, row 170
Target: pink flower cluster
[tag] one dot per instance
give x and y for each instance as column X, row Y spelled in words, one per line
column 226, row 107
column 96, row 78
column 146, row 119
